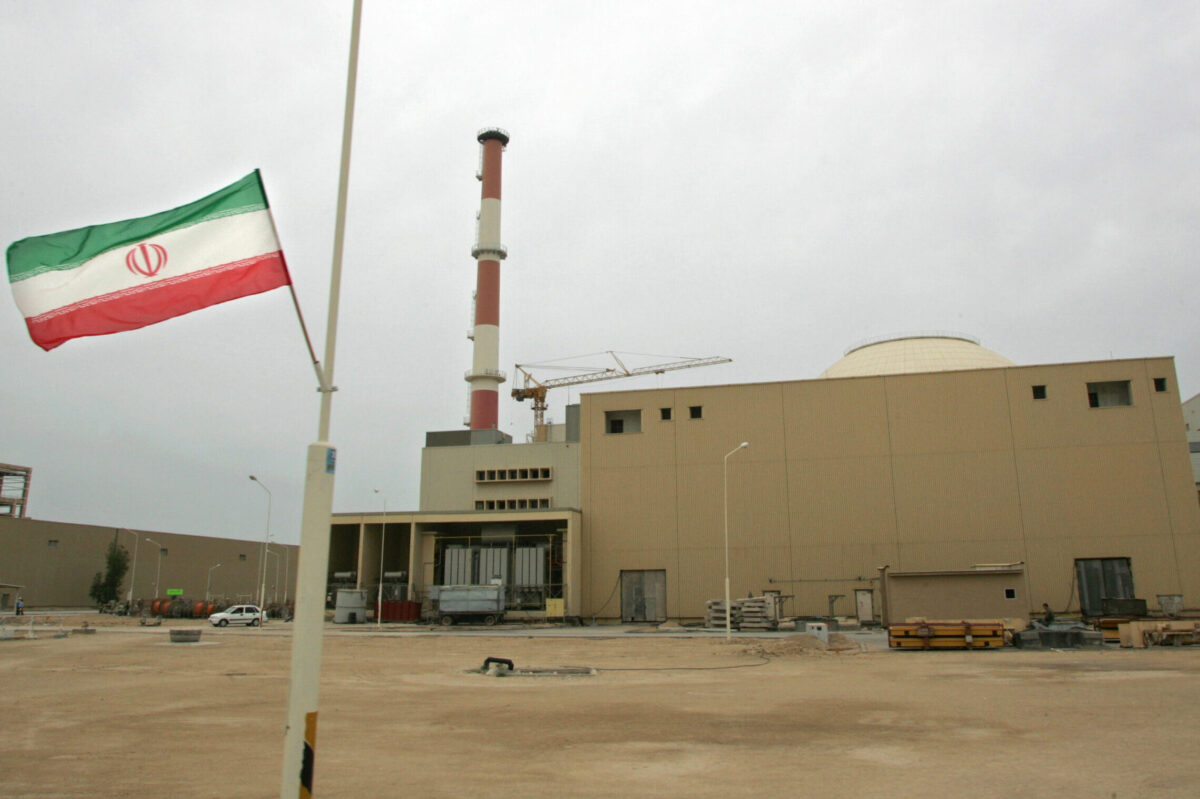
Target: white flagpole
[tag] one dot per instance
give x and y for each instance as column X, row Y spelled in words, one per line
column 300, row 736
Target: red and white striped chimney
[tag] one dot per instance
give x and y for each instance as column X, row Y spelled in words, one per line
column 485, row 376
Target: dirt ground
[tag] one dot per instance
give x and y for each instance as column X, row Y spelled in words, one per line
column 125, row 713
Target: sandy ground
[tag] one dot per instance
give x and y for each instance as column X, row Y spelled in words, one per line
column 125, row 713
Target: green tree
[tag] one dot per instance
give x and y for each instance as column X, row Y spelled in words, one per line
column 106, row 587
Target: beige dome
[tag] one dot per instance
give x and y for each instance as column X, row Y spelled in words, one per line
column 917, row 353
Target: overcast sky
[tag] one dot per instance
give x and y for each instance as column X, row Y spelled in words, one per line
column 769, row 181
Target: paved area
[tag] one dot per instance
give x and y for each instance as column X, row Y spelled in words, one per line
column 124, row 713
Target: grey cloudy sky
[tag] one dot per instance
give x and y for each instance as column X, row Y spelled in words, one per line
column 769, row 181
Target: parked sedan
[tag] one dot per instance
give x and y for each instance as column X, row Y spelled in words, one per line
column 238, row 614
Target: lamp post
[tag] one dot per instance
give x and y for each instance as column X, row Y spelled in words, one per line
column 287, row 564
column 382, row 541
column 262, row 593
column 133, row 568
column 159, row 572
column 208, row 585
column 728, row 606
column 275, row 585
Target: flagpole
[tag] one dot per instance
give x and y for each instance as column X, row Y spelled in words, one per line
column 299, row 746
column 312, row 354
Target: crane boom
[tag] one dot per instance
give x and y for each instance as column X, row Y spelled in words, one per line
column 534, row 389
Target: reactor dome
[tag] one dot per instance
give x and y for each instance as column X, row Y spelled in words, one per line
column 921, row 352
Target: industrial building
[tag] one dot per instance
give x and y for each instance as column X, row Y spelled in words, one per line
column 1071, row 483
column 924, row 453
column 918, row 453
column 51, row 564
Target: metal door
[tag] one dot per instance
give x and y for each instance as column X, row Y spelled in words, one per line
column 864, row 603
column 1100, row 579
column 644, row 595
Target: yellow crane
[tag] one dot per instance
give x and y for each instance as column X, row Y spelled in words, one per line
column 534, row 389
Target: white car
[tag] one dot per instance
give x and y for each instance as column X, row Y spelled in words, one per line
column 238, row 614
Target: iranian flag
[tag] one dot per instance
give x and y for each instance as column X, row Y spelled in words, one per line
column 125, row 275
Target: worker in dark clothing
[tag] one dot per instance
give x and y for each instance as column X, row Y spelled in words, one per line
column 1047, row 615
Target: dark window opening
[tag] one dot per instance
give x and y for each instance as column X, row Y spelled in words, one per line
column 665, row 413
column 617, row 422
column 242, row 558
column 1010, row 593
column 1039, row 392
column 53, row 542
column 1109, row 394
column 1160, row 384
column 696, row 411
column 479, row 504
column 480, row 476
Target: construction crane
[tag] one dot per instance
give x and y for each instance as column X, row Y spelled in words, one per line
column 533, row 389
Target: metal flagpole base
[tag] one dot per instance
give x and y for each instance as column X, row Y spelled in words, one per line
column 299, row 748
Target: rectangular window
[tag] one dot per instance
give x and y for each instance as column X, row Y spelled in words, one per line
column 163, row 552
column 479, row 504
column 1109, row 394
column 545, row 473
column 1160, row 384
column 665, row 414
column 618, row 422
column 1039, row 392
column 1010, row 593
column 480, row 476
column 544, row 503
column 242, row 558
column 53, row 542
column 696, row 411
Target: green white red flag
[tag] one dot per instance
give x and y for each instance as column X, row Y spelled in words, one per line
column 124, row 275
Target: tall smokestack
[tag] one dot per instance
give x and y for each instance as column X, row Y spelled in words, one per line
column 485, row 376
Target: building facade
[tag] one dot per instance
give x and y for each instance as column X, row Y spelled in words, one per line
column 54, row 563
column 1079, row 471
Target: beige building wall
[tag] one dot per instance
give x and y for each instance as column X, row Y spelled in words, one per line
column 932, row 471
column 55, row 563
column 956, row 595
column 451, row 478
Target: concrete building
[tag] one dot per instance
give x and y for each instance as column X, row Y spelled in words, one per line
column 1191, row 421
column 54, row 563
column 1079, row 471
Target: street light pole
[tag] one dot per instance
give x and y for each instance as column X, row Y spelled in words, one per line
column 287, row 564
column 275, row 585
column 262, row 593
column 133, row 568
column 159, row 572
column 208, row 585
column 728, row 606
column 382, row 541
